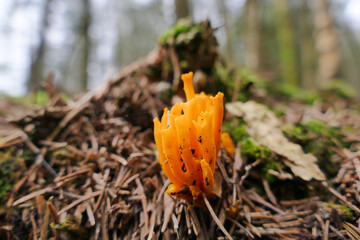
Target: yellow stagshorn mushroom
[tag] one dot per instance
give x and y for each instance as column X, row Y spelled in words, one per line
column 188, row 142
column 227, row 143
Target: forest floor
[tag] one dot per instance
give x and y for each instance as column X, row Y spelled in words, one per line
column 87, row 168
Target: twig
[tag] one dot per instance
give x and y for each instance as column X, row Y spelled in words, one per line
column 71, row 175
column 77, row 202
column 321, row 221
column 33, row 223
column 40, row 155
column 99, row 201
column 31, row 195
column 118, row 159
column 299, row 202
column 337, row 232
column 46, row 165
column 175, row 223
column 162, row 191
column 44, row 227
column 152, row 225
column 269, row 192
column 247, row 170
column 255, row 197
column 144, row 204
column 90, row 214
column 80, row 105
column 104, row 222
column 130, row 179
column 242, row 227
column 15, row 138
column 187, row 218
column 54, row 217
column 326, row 232
column 340, row 197
column 352, row 231
column 169, row 208
column 207, row 203
column 223, row 171
column 196, row 224
column 176, row 64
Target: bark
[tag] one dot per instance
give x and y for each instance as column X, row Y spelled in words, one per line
column 288, row 55
column 85, row 40
column 76, row 76
column 306, row 47
column 229, row 50
column 181, row 9
column 327, row 44
column 36, row 76
column 252, row 35
column 349, row 46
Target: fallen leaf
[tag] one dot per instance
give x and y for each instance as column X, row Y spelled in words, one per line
column 263, row 126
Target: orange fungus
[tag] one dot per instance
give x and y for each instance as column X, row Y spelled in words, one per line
column 227, row 143
column 188, row 142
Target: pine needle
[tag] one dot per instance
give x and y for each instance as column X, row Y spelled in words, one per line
column 217, row 221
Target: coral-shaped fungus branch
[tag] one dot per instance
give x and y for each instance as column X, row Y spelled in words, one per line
column 188, row 142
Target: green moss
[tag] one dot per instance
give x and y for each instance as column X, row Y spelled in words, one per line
column 249, row 77
column 73, row 228
column 317, row 137
column 251, row 150
column 280, row 111
column 5, row 176
column 322, row 129
column 312, row 130
column 341, row 89
column 292, row 131
column 342, row 209
column 240, row 133
column 294, row 92
column 41, row 98
column 269, row 160
column 183, row 28
column 248, row 81
column 237, row 128
column 9, row 172
column 269, row 164
column 174, row 32
column 4, row 187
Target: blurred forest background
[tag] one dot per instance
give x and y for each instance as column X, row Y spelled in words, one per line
column 305, row 43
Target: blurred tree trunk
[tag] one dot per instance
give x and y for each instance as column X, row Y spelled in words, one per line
column 76, row 74
column 288, row 55
column 306, row 46
column 35, row 76
column 224, row 12
column 350, row 47
column 327, row 44
column 181, row 9
column 252, row 35
column 85, row 40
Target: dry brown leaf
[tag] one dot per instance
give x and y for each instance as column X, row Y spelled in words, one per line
column 263, row 126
